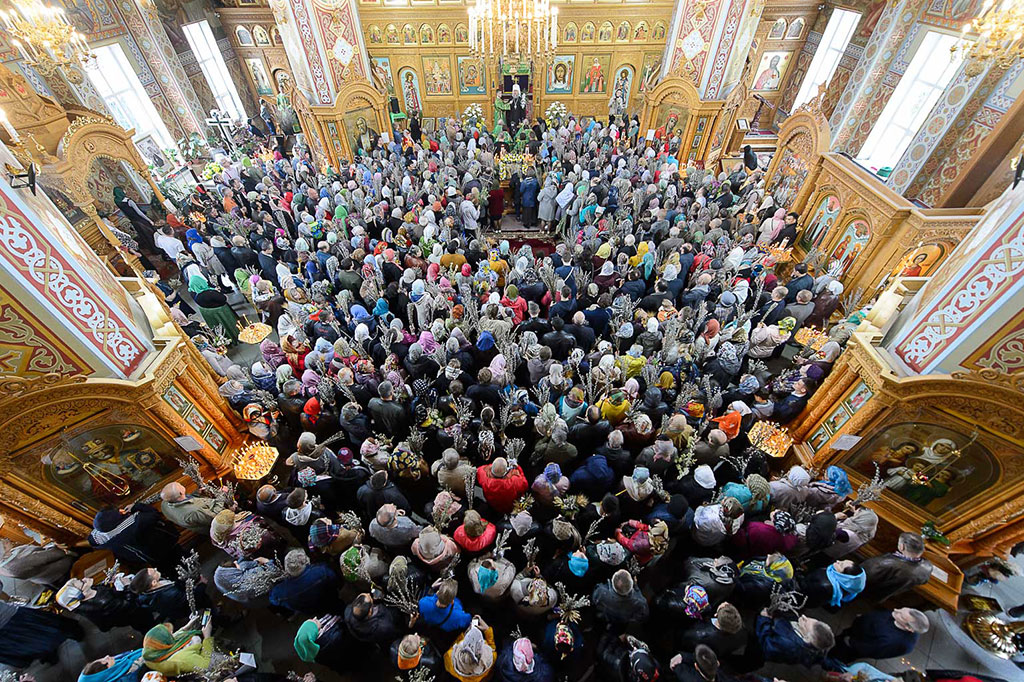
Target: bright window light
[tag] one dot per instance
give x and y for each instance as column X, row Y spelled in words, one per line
column 204, row 47
column 838, row 32
column 119, row 86
column 929, row 72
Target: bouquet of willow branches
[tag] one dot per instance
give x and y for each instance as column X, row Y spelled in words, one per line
column 872, row 490
column 513, row 449
column 188, row 573
column 225, row 494
column 785, row 601
column 569, row 605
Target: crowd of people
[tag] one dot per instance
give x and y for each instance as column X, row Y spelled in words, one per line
column 507, row 460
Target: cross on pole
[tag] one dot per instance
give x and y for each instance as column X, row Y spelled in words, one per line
column 222, row 123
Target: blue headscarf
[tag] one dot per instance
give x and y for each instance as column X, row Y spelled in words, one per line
column 359, row 314
column 845, row 587
column 485, row 342
column 578, row 565
column 120, row 671
column 381, row 308
column 193, row 237
column 839, row 481
column 486, row 577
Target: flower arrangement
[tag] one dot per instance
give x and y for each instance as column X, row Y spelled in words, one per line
column 471, row 114
column 556, row 111
column 212, row 169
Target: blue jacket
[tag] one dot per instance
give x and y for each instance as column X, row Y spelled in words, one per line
column 593, row 476
column 450, row 619
column 315, row 591
column 781, row 644
column 528, row 191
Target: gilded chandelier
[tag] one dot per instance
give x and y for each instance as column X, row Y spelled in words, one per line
column 1000, row 30
column 517, row 29
column 45, row 38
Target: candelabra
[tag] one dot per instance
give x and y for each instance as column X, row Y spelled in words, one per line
column 770, row 438
column 1000, row 30
column 518, row 29
column 254, row 460
column 46, row 40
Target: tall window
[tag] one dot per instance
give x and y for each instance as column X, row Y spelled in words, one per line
column 838, row 32
column 119, row 86
column 204, row 47
column 928, row 74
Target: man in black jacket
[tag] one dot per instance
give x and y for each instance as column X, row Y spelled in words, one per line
column 244, row 256
column 881, row 634
column 534, row 322
column 558, row 339
column 387, row 415
column 163, row 601
column 581, row 331
column 373, row 623
column 268, row 264
column 774, row 310
column 891, row 574
column 800, row 281
column 724, row 633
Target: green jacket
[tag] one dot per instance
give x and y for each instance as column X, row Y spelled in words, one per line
column 190, row 659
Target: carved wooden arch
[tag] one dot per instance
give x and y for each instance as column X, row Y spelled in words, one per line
column 811, row 148
column 676, row 89
column 330, row 120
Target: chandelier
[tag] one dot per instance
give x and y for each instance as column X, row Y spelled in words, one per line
column 517, row 29
column 45, row 39
column 1000, row 30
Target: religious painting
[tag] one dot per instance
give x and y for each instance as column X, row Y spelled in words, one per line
column 587, row 32
column 933, row 467
column 260, row 35
column 622, row 33
column 410, row 84
column 594, row 77
column 426, row 35
column 560, row 75
column 244, row 37
column 428, row 125
column 919, row 261
column 819, row 438
column 660, row 30
column 408, row 35
column 259, row 76
column 381, row 69
column 821, row 221
column 649, row 71
column 391, row 35
column 153, row 154
column 101, row 465
column 178, row 402
column 604, row 34
column 836, row 420
column 332, row 131
column 778, row 30
column 623, row 84
column 444, row 35
column 359, row 127
column 215, row 439
column 374, row 35
column 461, row 34
column 641, row 31
column 671, row 120
column 96, row 19
column 870, row 18
column 196, row 420
column 437, row 75
column 275, row 35
column 771, row 70
column 569, row 33
column 471, row 76
column 790, row 175
column 795, row 30
column 854, row 240
column 861, row 394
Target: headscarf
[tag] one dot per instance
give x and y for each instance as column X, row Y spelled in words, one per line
column 845, row 587
column 197, row 284
column 777, row 571
column 305, row 641
column 838, row 480
column 472, row 656
column 272, row 354
column 522, row 655
column 118, row 671
column 160, row 643
column 711, row 329
column 696, row 600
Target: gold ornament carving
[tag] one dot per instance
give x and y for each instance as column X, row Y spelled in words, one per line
column 990, row 376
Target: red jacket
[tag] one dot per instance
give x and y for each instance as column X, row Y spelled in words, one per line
column 518, row 307
column 501, row 493
column 474, row 545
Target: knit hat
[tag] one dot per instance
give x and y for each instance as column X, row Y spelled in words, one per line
column 783, row 521
column 704, row 477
